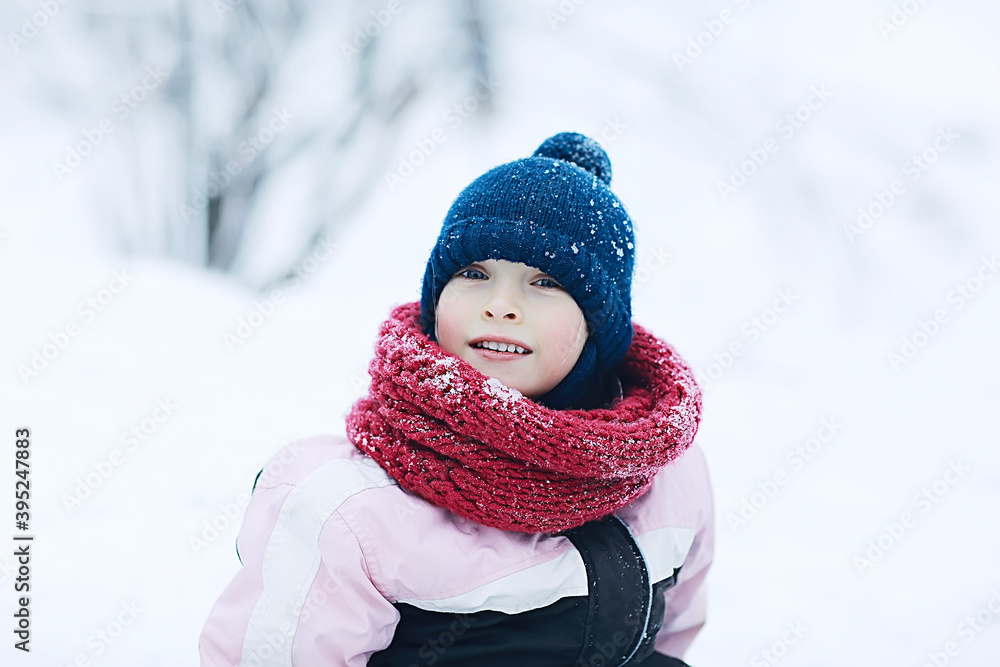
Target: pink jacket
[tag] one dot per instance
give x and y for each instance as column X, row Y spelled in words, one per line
column 330, row 543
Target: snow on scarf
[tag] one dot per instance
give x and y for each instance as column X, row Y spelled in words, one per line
column 466, row 442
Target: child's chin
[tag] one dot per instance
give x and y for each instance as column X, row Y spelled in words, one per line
column 513, row 383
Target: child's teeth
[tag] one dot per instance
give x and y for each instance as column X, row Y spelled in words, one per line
column 503, row 347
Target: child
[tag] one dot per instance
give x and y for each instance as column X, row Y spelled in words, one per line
column 519, row 487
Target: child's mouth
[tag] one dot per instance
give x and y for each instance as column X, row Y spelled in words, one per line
column 497, row 355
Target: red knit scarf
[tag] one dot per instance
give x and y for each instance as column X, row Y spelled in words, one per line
column 467, row 442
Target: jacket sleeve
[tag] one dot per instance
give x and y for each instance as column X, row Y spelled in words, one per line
column 686, row 600
column 303, row 595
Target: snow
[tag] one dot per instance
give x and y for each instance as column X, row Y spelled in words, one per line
column 498, row 389
column 909, row 454
column 445, row 381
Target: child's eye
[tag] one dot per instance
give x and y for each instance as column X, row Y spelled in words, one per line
column 552, row 284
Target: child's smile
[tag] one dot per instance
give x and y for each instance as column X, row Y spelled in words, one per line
column 500, row 348
column 535, row 328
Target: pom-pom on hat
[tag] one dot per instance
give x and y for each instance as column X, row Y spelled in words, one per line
column 553, row 211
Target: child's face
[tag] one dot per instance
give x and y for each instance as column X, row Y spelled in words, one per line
column 496, row 300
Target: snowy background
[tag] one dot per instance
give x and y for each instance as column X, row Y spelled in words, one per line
column 165, row 332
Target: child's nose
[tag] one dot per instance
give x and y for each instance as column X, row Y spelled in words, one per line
column 506, row 314
column 502, row 305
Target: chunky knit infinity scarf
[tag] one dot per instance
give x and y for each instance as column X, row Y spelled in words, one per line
column 467, row 442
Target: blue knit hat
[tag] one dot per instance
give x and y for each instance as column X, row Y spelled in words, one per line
column 553, row 211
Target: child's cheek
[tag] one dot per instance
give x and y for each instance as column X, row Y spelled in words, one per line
column 449, row 331
column 571, row 332
column 449, row 295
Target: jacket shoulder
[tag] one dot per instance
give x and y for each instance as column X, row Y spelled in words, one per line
column 680, row 495
column 297, row 460
column 675, row 514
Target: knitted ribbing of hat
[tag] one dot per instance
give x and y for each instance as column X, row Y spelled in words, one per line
column 466, row 442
